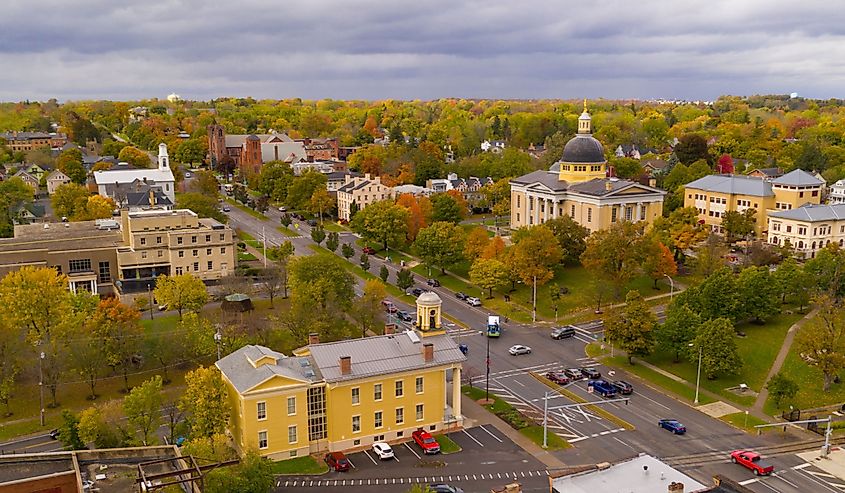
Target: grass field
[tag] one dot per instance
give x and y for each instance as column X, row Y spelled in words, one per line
column 287, row 231
column 554, row 442
column 743, row 421
column 333, row 226
column 246, row 209
column 447, row 445
column 810, row 384
column 300, row 465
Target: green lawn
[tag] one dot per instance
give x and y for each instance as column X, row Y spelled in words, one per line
column 333, row 226
column 743, row 421
column 246, row 257
column 287, row 231
column 246, row 209
column 554, row 442
column 447, row 445
column 810, row 385
column 677, row 388
column 244, row 236
column 355, row 269
column 300, row 465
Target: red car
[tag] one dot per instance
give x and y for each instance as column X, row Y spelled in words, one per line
column 558, row 378
column 369, row 250
column 337, row 461
column 426, row 441
column 753, row 461
column 389, row 307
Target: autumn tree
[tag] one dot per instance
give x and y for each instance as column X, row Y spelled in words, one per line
column 11, row 347
column 716, row 341
column 821, row 341
column 614, row 254
column 96, row 207
column 302, row 188
column 534, row 254
column 68, row 199
column 476, row 242
column 321, row 203
column 571, row 237
column 181, row 292
column 739, row 224
column 488, row 274
column 104, row 425
column 631, row 327
column 69, row 162
column 142, row 407
column 383, row 222
column 658, row 261
column 419, row 213
column 497, row 197
column 118, row 328
column 134, row 156
column 205, row 402
column 367, row 310
column 441, row 244
column 494, row 248
column 88, row 360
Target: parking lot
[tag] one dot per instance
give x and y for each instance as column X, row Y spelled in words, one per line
column 487, row 459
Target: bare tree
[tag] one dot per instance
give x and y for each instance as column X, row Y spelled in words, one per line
column 271, row 282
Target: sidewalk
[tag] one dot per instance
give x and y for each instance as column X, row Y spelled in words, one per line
column 475, row 414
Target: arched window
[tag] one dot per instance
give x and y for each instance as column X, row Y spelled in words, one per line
column 800, row 244
column 814, row 245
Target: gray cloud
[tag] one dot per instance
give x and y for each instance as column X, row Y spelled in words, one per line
column 375, row 49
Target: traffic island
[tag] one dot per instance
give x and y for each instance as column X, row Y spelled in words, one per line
column 575, row 398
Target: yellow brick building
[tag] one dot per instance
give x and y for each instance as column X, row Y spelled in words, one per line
column 577, row 186
column 714, row 195
column 348, row 394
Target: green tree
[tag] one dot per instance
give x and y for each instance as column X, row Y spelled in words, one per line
column 709, row 256
column 441, row 244
column 134, row 156
column 383, row 273
column 488, row 274
column 364, row 261
column 318, row 279
column 281, row 255
column 321, row 203
column 69, row 162
column 69, row 431
column 142, row 407
column 791, row 280
column 11, row 347
column 285, row 220
column 716, row 341
column 69, row 199
column 782, row 388
column 631, row 327
column 191, row 151
column 446, row 208
column 332, row 241
column 181, row 292
column 302, row 188
column 821, row 341
column 88, row 360
column 614, row 254
column 675, row 334
column 368, row 310
column 204, row 402
column 571, row 237
column 318, row 234
column 717, row 296
column 383, row 222
column 347, row 251
column 206, row 183
column 253, row 474
column 203, row 205
column 104, row 425
column 270, row 281
column 827, row 268
column 739, row 224
column 274, row 180
column 691, row 148
column 757, row 293
column 404, row 279
column 627, row 168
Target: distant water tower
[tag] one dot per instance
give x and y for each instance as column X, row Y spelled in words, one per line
column 173, row 97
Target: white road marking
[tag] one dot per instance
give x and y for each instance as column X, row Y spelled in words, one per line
column 654, row 401
column 473, row 438
column 520, row 383
column 802, row 466
column 352, row 463
column 491, row 434
column 821, row 474
column 412, row 450
column 369, row 457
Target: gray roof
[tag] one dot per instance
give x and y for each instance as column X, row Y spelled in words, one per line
column 798, row 177
column 238, row 368
column 382, row 355
column 770, row 172
column 547, row 178
column 583, row 148
column 812, row 213
column 630, row 476
column 598, row 186
column 351, row 186
column 140, row 199
column 736, row 184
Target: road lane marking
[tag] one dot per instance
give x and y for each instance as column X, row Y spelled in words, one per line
column 821, row 474
column 473, row 438
column 368, row 456
column 351, row 463
column 412, row 450
column 802, row 466
column 491, row 434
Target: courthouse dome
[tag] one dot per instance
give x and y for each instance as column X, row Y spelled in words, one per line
column 583, row 148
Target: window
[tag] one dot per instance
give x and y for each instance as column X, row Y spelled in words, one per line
column 642, row 211
column 179, row 240
column 158, row 240
column 222, row 250
column 105, row 272
column 207, row 237
column 181, row 253
column 143, row 241
column 262, row 439
column 419, row 385
column 262, row 410
column 378, row 421
column 196, row 266
column 210, row 265
column 356, row 442
column 572, row 211
column 788, row 228
column 815, row 193
column 292, row 434
column 802, row 231
column 629, row 213
column 613, row 214
column 400, row 415
column 589, row 214
column 208, row 251
column 517, row 200
column 160, row 253
column 400, row 434
column 79, row 265
column 193, row 239
column 222, row 236
column 291, row 405
column 143, row 254
column 178, row 271
column 356, row 396
column 293, row 453
column 195, row 253
column 420, row 412
column 800, row 194
column 356, row 424
column 316, row 409
column 400, row 388
column 377, row 392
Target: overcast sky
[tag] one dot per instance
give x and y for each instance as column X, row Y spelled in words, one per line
column 420, row 49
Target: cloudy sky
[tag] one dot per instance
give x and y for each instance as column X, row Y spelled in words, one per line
column 420, row 49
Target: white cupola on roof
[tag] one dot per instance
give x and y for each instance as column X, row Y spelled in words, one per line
column 163, row 159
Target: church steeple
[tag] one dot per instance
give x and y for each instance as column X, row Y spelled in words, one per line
column 584, row 121
column 163, row 159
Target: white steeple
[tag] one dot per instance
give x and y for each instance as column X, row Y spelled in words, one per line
column 163, row 159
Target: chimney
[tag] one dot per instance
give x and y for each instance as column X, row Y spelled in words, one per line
column 345, row 365
column 608, row 185
column 389, row 329
column 675, row 487
column 652, row 182
column 428, row 352
column 313, row 338
column 152, row 198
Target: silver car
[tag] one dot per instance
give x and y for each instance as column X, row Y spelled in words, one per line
column 518, row 349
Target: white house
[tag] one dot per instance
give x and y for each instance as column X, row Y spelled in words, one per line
column 837, row 193
column 117, row 183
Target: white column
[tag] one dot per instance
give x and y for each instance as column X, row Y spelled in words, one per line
column 555, row 204
column 536, row 210
column 639, row 211
column 456, row 393
column 548, row 204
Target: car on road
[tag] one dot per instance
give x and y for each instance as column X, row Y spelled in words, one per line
column 312, row 223
column 574, row 373
column 602, row 388
column 672, row 425
column 426, row 441
column 417, row 291
column 753, row 461
column 389, row 307
column 461, row 296
column 473, row 301
column 369, row 250
column 54, row 434
column 404, row 316
column 591, row 373
column 187, row 174
column 382, row 450
column 433, row 283
column 283, row 209
column 558, row 377
column 337, row 461
column 563, row 332
column 518, row 349
column 623, row 387
column 444, row 488
column 226, row 208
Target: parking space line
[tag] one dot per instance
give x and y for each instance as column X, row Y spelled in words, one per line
column 395, row 458
column 369, row 457
column 352, row 463
column 473, row 438
column 491, row 434
column 412, row 450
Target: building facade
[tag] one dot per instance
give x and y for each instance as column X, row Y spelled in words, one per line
column 56, row 179
column 578, row 186
column 346, row 395
column 360, row 191
column 27, row 141
column 250, row 152
column 807, row 229
column 714, row 195
column 115, row 183
column 837, row 193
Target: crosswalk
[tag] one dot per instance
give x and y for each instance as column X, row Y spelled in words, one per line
column 317, row 483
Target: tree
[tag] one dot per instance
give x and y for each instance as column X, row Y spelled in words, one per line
column 827, row 268
column 69, row 162
column 419, row 213
column 118, row 328
column 488, row 274
column 253, row 474
column 318, row 234
column 134, row 156
column 627, row 168
column 659, row 261
column 757, row 293
column 571, row 237
column 181, row 292
column 69, row 199
column 261, row 203
column 285, row 220
column 302, row 188
column 281, row 255
column 69, row 431
column 497, row 196
column 205, row 402
column 404, row 279
column 821, row 342
column 716, row 341
column 691, row 148
column 271, row 282
column 203, row 205
column 495, row 248
column 476, row 241
column 274, row 180
column 441, row 244
column 206, row 183
column 446, row 207
column 103, row 424
column 191, row 151
column 383, row 273
column 368, row 310
column 782, row 388
column 383, row 222
column 199, row 336
column 319, row 280
column 614, row 254
column 11, row 346
column 792, row 280
column 739, row 224
column 143, row 409
column 716, row 296
column 332, row 241
column 709, row 257
column 364, row 261
column 631, row 328
column 347, row 251
column 321, row 202
column 675, row 334
column 96, row 207
column 88, row 360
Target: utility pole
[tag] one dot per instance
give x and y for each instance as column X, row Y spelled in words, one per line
column 487, row 384
column 218, row 337
column 672, row 287
column 41, row 383
column 264, row 239
column 150, row 292
column 534, row 305
column 546, row 420
column 698, row 374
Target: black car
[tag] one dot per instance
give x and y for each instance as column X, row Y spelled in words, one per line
column 563, row 332
column 591, row 373
column 433, row 283
column 574, row 373
column 623, row 387
column 444, row 488
column 404, row 316
column 54, row 434
column 417, row 291
column 461, row 296
column 311, row 222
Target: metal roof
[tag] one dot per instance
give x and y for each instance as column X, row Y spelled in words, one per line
column 733, row 184
column 109, row 177
column 381, row 355
column 812, row 213
column 643, row 474
column 238, row 367
column 798, row 177
column 548, row 178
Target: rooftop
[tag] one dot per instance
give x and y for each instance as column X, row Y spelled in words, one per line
column 642, row 474
column 813, row 213
column 733, row 184
column 240, row 367
column 85, row 235
column 109, row 177
column 800, row 178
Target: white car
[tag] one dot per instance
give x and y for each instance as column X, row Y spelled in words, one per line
column 283, row 209
column 519, row 349
column 382, row 450
column 471, row 301
column 187, row 174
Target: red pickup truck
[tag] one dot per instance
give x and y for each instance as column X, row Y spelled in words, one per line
column 426, row 441
column 753, row 461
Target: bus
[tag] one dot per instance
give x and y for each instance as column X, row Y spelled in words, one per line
column 493, row 327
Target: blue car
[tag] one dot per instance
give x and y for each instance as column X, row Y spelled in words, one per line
column 672, row 425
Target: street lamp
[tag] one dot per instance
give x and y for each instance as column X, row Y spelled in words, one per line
column 217, row 338
column 698, row 374
column 534, row 303
column 41, row 383
column 671, row 287
column 150, row 292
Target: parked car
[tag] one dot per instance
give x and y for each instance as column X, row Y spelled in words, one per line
column 574, row 374
column 753, row 461
column 473, row 301
column 417, row 291
column 54, row 434
column 464, row 348
column 558, row 377
column 518, row 349
column 404, row 316
column 672, row 425
column 591, row 373
column 461, row 296
column 337, row 461
column 283, row 209
column 433, row 283
column 369, row 250
column 226, row 208
column 426, row 441
column 623, row 387
column 311, row 222
column 382, row 450
column 444, row 488
column 187, row 174
column 563, row 332
column 602, row 388
column 389, row 307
